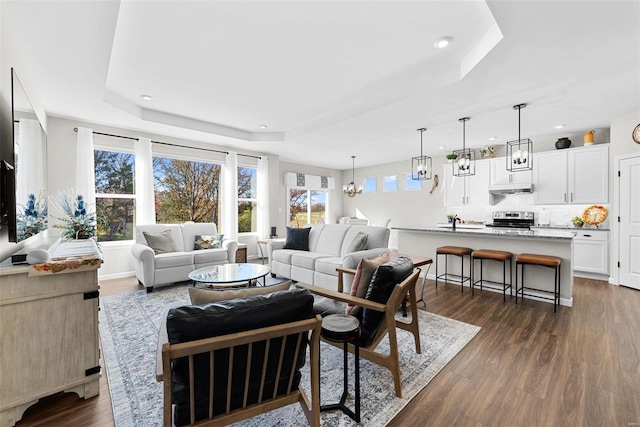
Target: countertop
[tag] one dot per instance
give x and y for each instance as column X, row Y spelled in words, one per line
column 547, row 234
column 570, row 227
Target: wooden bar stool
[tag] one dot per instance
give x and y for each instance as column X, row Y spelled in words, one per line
column 457, row 278
column 543, row 261
column 490, row 254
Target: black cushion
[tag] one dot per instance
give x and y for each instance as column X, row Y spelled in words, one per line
column 297, row 238
column 190, row 323
column 380, row 289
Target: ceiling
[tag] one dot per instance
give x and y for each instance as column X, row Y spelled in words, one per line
column 331, row 79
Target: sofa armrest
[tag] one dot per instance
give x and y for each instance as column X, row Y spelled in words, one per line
column 272, row 246
column 352, row 259
column 232, row 247
column 143, row 253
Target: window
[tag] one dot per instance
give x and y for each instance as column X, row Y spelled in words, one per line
column 186, row 190
column 307, row 207
column 115, row 196
column 391, row 183
column 411, row 184
column 247, row 199
column 370, row 185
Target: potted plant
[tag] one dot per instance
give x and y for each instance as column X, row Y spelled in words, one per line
column 450, row 217
column 577, row 221
column 452, row 157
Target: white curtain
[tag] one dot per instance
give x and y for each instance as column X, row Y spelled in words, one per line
column 263, row 198
column 145, row 200
column 230, row 197
column 85, row 171
column 30, row 172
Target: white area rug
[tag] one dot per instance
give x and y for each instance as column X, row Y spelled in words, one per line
column 129, row 329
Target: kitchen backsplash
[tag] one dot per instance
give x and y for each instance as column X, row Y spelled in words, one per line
column 559, row 215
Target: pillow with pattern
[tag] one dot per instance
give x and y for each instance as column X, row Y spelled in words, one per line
column 208, row 242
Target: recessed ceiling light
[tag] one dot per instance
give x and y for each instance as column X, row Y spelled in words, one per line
column 146, row 97
column 263, row 126
column 442, row 42
column 493, row 138
column 560, row 126
column 442, row 147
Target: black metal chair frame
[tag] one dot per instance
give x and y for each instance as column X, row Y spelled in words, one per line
column 457, row 278
column 493, row 284
column 556, row 285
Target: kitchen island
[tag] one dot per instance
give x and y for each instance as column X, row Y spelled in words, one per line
column 423, row 240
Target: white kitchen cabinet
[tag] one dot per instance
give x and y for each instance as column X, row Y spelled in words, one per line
column 591, row 252
column 577, row 175
column 469, row 190
column 500, row 175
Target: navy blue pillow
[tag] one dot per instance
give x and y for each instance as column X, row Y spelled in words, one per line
column 297, row 238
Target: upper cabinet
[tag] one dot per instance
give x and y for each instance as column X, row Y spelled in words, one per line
column 578, row 176
column 469, row 190
column 500, row 174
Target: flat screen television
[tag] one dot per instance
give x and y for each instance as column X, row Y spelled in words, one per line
column 23, row 169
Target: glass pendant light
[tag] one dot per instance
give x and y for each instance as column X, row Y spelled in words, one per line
column 465, row 164
column 350, row 189
column 421, row 165
column 519, row 152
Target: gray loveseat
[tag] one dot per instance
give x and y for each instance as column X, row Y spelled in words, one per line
column 166, row 268
column 328, row 244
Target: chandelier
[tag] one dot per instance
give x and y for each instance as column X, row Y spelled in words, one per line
column 350, row 189
column 421, row 165
column 466, row 165
column 520, row 152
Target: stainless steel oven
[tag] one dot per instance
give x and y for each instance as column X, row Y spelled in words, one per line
column 512, row 219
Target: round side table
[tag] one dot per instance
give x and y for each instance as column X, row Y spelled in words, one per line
column 345, row 329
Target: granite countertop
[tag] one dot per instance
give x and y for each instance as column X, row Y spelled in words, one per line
column 570, row 227
column 550, row 234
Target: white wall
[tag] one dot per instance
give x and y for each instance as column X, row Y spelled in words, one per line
column 11, row 56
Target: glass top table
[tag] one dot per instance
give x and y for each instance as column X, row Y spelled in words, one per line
column 229, row 275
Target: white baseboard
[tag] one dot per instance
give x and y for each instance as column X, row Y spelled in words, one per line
column 116, row 275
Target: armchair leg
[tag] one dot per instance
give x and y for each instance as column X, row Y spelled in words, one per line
column 150, row 289
column 273, row 275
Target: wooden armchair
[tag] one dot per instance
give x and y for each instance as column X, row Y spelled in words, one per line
column 389, row 309
column 228, row 378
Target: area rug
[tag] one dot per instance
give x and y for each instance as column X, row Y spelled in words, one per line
column 129, row 326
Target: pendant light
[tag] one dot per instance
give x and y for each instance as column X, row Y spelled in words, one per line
column 421, row 165
column 519, row 152
column 465, row 165
column 350, row 189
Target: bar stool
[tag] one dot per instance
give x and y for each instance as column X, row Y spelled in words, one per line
column 490, row 254
column 457, row 251
column 543, row 261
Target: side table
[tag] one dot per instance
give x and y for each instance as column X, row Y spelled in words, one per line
column 241, row 253
column 262, row 245
column 346, row 329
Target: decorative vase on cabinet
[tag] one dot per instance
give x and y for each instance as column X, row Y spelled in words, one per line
column 563, row 143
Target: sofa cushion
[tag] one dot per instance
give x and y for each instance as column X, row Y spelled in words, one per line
column 358, row 243
column 213, row 241
column 174, row 259
column 283, row 255
column 190, row 229
column 364, row 273
column 194, row 322
column 201, row 296
column 330, row 240
column 161, row 242
column 306, row 259
column 297, row 238
column 378, row 237
column 328, row 265
column 205, row 256
column 380, row 289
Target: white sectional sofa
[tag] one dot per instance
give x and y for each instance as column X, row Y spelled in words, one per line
column 166, row 268
column 328, row 245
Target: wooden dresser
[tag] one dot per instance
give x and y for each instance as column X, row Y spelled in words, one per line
column 48, row 334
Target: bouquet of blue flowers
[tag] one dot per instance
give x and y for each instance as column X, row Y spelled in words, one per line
column 32, row 217
column 79, row 222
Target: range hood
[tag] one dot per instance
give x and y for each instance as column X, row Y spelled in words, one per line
column 511, row 188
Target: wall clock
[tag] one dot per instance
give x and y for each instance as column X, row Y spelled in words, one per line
column 636, row 134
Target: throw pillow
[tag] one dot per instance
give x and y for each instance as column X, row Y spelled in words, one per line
column 201, row 296
column 358, row 243
column 208, row 242
column 364, row 272
column 161, row 243
column 297, row 238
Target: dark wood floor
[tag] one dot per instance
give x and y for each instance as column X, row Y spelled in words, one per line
column 527, row 366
